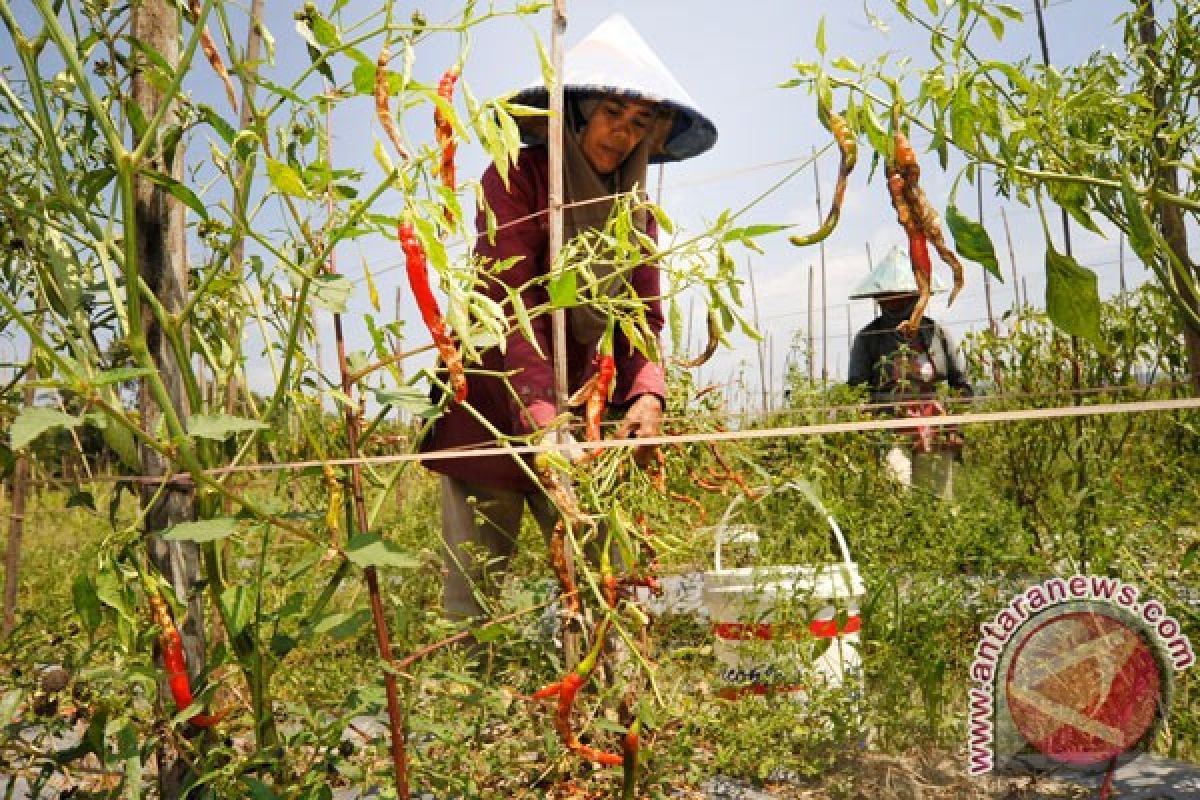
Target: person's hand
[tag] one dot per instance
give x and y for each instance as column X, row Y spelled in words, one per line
column 642, row 420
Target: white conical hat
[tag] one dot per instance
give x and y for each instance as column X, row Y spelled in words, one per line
column 614, row 58
column 892, row 275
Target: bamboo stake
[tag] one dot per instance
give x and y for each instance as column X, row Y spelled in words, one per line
column 554, row 192
column 16, row 519
column 760, row 346
column 824, row 303
column 987, row 280
column 812, row 356
column 362, row 522
column 1012, row 258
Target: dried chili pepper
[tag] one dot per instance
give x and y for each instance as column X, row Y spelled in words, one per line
column 900, row 171
column 605, row 371
column 848, row 151
column 214, row 56
column 444, row 130
column 566, row 691
column 383, row 109
column 418, row 281
column 558, row 561
column 921, row 223
column 714, row 340
column 175, row 662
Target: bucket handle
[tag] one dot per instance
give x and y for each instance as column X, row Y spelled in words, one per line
column 751, row 537
column 725, row 536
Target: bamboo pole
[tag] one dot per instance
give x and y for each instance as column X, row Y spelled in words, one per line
column 554, row 192
column 760, row 345
column 812, row 356
column 1012, row 259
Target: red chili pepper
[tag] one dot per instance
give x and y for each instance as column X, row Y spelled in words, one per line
column 547, row 691
column 445, row 130
column 418, row 281
column 569, row 687
column 630, row 746
column 606, row 369
column 175, row 662
column 558, row 560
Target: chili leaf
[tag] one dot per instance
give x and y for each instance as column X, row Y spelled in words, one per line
column 343, row 625
column 220, row 426
column 372, row 550
column 180, row 192
column 972, row 241
column 1072, row 299
column 33, row 422
column 331, row 292
column 286, row 179
column 87, row 604
column 239, row 602
column 563, row 289
column 204, row 530
column 1141, row 235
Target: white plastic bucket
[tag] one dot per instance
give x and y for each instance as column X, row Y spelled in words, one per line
column 783, row 628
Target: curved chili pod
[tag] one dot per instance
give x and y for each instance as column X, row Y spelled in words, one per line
column 418, row 280
column 714, row 339
column 848, row 150
column 383, row 108
column 175, row 662
column 445, row 131
column 214, row 56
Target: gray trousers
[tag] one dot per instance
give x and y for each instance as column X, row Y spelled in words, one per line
column 480, row 525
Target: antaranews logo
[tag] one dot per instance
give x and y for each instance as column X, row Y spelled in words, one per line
column 1075, row 671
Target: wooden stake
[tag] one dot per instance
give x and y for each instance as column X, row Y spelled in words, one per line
column 1012, row 258
column 812, row 378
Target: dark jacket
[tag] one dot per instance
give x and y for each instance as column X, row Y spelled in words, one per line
column 876, row 360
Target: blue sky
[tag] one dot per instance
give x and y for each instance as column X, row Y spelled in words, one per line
column 731, row 58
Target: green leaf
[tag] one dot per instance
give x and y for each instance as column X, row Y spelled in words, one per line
column 257, row 790
column 1189, row 558
column 203, row 530
column 32, row 422
column 218, row 123
column 408, row 398
column 87, row 604
column 372, row 550
column 820, row 42
column 1141, row 234
column 331, row 292
column 325, row 32
column 343, row 625
column 972, row 241
column 220, row 426
column 1072, row 298
column 286, row 179
column 752, row 231
column 563, row 289
column 180, row 192
column 363, row 78
column 110, row 590
column 492, row 633
column 120, row 440
column 239, row 603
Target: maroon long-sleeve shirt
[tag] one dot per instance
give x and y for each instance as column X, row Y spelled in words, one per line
column 523, row 232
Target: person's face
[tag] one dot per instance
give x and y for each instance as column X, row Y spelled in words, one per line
column 897, row 303
column 615, row 128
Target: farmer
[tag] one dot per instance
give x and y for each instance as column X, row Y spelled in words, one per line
column 905, row 371
column 623, row 110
